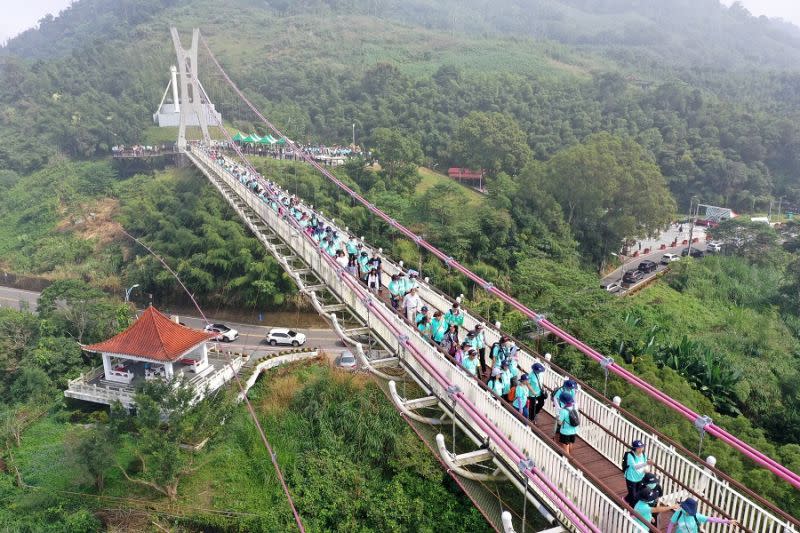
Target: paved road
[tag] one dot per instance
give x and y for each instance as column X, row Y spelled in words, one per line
column 633, row 264
column 251, row 336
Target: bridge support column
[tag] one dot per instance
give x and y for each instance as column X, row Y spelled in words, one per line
column 191, row 97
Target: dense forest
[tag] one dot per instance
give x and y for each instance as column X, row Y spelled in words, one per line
column 596, row 121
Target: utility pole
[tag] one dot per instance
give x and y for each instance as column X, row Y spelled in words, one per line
column 780, row 201
column 691, row 228
column 769, row 215
column 354, row 135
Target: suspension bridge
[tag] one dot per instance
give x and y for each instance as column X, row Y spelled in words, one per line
column 480, row 438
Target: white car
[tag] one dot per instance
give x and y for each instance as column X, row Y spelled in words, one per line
column 347, row 360
column 613, row 286
column 285, row 336
column 714, row 247
column 669, row 258
column 226, row 334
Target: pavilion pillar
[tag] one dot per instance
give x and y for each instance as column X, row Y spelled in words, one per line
column 168, row 370
column 106, row 365
column 204, row 356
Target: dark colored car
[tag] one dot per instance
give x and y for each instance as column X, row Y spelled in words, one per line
column 648, row 266
column 695, row 253
column 632, row 276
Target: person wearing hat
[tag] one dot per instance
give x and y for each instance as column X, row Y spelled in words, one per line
column 396, row 290
column 522, row 394
column 538, row 399
column 566, row 431
column 470, row 364
column 688, row 520
column 454, row 316
column 495, row 383
column 568, row 389
column 635, row 464
column 411, row 280
column 647, row 506
column 410, row 304
column 423, row 312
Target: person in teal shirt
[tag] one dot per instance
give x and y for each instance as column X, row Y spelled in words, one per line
column 688, row 520
column 496, row 384
column 635, row 464
column 411, row 280
column 470, row 362
column 566, row 431
column 454, row 316
column 423, row 312
column 506, row 377
column 352, row 248
column 396, row 290
column 647, row 506
column 438, row 327
column 363, row 267
column 521, row 395
column 424, row 327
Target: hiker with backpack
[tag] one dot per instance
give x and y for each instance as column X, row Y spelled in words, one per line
column 634, row 463
column 647, row 506
column 569, row 420
column 499, row 351
column 454, row 316
column 688, row 520
column 496, row 383
column 540, row 395
column 479, row 343
column 438, row 327
column 569, row 388
column 396, row 290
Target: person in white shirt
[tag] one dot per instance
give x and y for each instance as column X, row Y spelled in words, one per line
column 410, row 305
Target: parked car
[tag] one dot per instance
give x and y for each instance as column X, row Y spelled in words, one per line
column 632, row 276
column 285, row 336
column 346, row 360
column 612, row 286
column 669, row 258
column 647, row 266
column 714, row 247
column 226, row 334
column 696, row 253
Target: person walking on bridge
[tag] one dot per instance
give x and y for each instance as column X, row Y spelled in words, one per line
column 569, row 388
column 540, row 395
column 647, row 506
column 636, row 462
column 688, row 520
column 569, row 421
column 454, row 316
column 396, row 290
column 410, row 305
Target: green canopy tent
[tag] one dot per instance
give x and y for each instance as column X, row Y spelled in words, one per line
column 267, row 140
column 281, row 141
column 252, row 138
column 238, row 137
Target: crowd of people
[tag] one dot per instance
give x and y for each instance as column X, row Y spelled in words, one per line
column 497, row 366
column 141, row 149
column 329, row 155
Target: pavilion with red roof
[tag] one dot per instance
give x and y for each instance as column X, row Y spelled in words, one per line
column 156, row 341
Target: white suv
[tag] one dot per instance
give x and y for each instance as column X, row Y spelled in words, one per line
column 285, row 336
column 226, row 334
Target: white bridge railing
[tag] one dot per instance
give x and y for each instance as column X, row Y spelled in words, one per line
column 603, row 428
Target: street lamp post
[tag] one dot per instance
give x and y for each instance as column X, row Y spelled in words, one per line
column 128, row 292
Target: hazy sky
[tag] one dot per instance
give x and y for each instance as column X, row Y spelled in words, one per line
column 19, row 15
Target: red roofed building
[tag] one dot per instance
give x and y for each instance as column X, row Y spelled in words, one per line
column 153, row 339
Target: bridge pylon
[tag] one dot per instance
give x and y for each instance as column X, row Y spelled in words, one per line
column 191, row 91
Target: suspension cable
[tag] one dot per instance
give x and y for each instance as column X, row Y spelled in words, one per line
column 747, row 450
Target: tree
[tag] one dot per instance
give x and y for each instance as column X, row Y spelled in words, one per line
column 91, row 453
column 165, row 419
column 754, row 241
column 493, row 142
column 610, row 191
column 399, row 154
column 76, row 309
